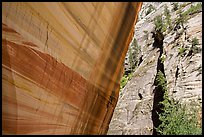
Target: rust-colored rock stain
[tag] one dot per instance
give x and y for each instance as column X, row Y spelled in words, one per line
column 60, row 74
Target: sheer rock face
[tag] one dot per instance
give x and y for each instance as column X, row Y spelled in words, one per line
column 61, row 65
column 184, row 73
column 133, row 114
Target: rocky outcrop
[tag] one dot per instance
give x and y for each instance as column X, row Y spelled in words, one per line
column 184, row 73
column 61, row 65
column 134, row 112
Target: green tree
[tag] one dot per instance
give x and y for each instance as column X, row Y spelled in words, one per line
column 168, row 17
column 177, row 118
column 159, row 24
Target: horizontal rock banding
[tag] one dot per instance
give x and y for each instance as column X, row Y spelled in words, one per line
column 54, row 78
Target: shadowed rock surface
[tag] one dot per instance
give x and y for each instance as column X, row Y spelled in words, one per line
column 135, row 115
column 61, row 65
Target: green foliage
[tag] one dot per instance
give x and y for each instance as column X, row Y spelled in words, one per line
column 195, row 41
column 184, row 5
column 193, row 9
column 123, row 81
column 133, row 51
column 159, row 24
column 178, row 120
column 168, row 17
column 194, row 49
column 150, row 9
column 162, row 25
column 175, row 6
column 166, row 11
column 162, row 58
column 135, row 45
column 182, row 51
column 161, row 81
column 182, row 18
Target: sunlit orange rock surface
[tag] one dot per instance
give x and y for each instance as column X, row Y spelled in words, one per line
column 61, row 65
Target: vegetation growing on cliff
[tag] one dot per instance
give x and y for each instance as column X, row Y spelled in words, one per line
column 195, row 49
column 175, row 6
column 133, row 60
column 167, row 17
column 159, row 24
column 125, row 79
column 192, row 10
column 150, row 9
column 177, row 118
column 163, row 23
column 184, row 16
column 182, row 51
column 195, row 41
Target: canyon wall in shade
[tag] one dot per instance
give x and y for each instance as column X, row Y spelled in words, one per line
column 61, row 65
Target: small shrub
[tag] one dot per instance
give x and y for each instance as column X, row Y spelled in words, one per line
column 161, row 81
column 130, row 75
column 194, row 49
column 159, row 24
column 150, row 9
column 168, row 17
column 182, row 18
column 179, row 119
column 182, row 51
column 166, row 11
column 175, row 6
column 195, row 41
column 123, row 81
column 162, row 58
column 193, row 9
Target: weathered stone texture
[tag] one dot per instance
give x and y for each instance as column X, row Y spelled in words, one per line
column 61, row 65
column 133, row 115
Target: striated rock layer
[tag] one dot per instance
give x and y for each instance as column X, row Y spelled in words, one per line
column 135, row 110
column 61, row 65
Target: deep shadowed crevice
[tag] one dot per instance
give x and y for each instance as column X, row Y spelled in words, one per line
column 158, row 91
column 140, row 60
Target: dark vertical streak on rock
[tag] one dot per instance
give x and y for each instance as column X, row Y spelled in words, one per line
column 158, row 92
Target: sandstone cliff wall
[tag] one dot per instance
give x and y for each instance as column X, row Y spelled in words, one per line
column 61, row 65
column 134, row 112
